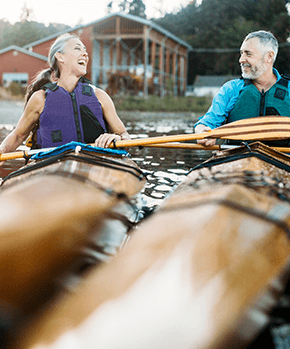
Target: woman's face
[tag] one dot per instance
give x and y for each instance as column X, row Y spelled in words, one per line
column 75, row 57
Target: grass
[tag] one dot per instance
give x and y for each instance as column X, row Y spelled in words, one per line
column 166, row 104
column 134, row 103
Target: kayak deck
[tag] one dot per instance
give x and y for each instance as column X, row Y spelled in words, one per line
column 60, row 217
column 204, row 271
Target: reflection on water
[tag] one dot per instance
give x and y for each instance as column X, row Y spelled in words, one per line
column 165, row 168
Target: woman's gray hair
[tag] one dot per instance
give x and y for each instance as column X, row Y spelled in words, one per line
column 58, row 46
column 45, row 75
column 267, row 40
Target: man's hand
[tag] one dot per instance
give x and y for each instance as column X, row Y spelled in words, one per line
column 206, row 142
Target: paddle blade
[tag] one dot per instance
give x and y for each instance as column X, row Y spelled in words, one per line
column 260, row 128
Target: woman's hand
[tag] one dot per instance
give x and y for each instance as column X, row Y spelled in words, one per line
column 1, row 162
column 206, row 142
column 105, row 139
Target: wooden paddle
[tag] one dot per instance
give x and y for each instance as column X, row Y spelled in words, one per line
column 21, row 154
column 260, row 128
column 193, row 146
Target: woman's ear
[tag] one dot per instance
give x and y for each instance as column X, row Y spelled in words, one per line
column 59, row 57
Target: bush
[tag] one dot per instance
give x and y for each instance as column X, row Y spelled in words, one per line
column 168, row 104
column 15, row 89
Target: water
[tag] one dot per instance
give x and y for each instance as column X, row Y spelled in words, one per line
column 165, row 168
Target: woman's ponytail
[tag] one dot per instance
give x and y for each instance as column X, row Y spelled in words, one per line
column 41, row 79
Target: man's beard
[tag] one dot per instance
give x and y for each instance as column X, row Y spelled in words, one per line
column 255, row 71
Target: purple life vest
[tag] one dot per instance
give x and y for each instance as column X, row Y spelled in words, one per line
column 66, row 117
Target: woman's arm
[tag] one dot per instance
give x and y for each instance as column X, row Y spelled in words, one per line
column 25, row 124
column 115, row 124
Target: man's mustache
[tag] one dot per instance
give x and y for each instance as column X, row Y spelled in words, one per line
column 245, row 65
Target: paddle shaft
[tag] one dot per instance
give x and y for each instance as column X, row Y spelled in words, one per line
column 190, row 146
column 21, row 154
column 259, row 128
column 242, row 133
column 193, row 146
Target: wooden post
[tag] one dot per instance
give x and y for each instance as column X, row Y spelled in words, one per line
column 161, row 70
column 179, row 74
column 129, row 58
column 167, row 66
column 118, row 53
column 174, row 71
column 112, row 53
column 153, row 58
column 146, row 58
column 118, row 46
column 185, row 60
column 101, row 78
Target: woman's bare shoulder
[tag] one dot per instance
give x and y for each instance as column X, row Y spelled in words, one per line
column 38, row 95
column 36, row 101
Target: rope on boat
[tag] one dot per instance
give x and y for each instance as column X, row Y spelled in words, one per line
column 229, row 158
column 93, row 159
column 253, row 180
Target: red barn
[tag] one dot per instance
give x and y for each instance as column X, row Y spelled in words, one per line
column 18, row 64
column 118, row 42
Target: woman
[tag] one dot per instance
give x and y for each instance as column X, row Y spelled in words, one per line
column 71, row 109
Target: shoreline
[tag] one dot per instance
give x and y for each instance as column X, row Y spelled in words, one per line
column 11, row 110
column 149, row 114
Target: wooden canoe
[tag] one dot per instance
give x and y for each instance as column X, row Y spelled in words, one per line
column 58, row 217
column 204, row 271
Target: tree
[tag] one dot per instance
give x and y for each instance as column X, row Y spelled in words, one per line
column 27, row 14
column 110, row 7
column 223, row 24
column 22, row 33
column 133, row 7
column 124, row 5
column 137, row 8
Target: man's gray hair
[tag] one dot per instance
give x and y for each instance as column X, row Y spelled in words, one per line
column 267, row 41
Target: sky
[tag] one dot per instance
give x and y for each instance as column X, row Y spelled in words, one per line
column 78, row 12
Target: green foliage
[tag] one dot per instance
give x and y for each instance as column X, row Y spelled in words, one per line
column 24, row 32
column 15, row 89
column 137, row 8
column 168, row 103
column 224, row 24
column 133, row 7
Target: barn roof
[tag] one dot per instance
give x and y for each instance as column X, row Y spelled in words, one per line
column 140, row 20
column 22, row 50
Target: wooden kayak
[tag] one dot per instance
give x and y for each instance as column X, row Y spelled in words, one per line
column 204, row 271
column 60, row 215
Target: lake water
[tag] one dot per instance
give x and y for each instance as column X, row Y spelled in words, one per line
column 165, row 168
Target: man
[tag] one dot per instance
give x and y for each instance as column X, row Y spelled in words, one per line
column 261, row 90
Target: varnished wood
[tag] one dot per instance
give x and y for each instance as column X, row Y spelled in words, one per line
column 113, row 178
column 260, row 128
column 203, row 272
column 50, row 220
column 44, row 222
column 194, row 146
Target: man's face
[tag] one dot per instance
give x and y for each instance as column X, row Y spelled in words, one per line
column 252, row 59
